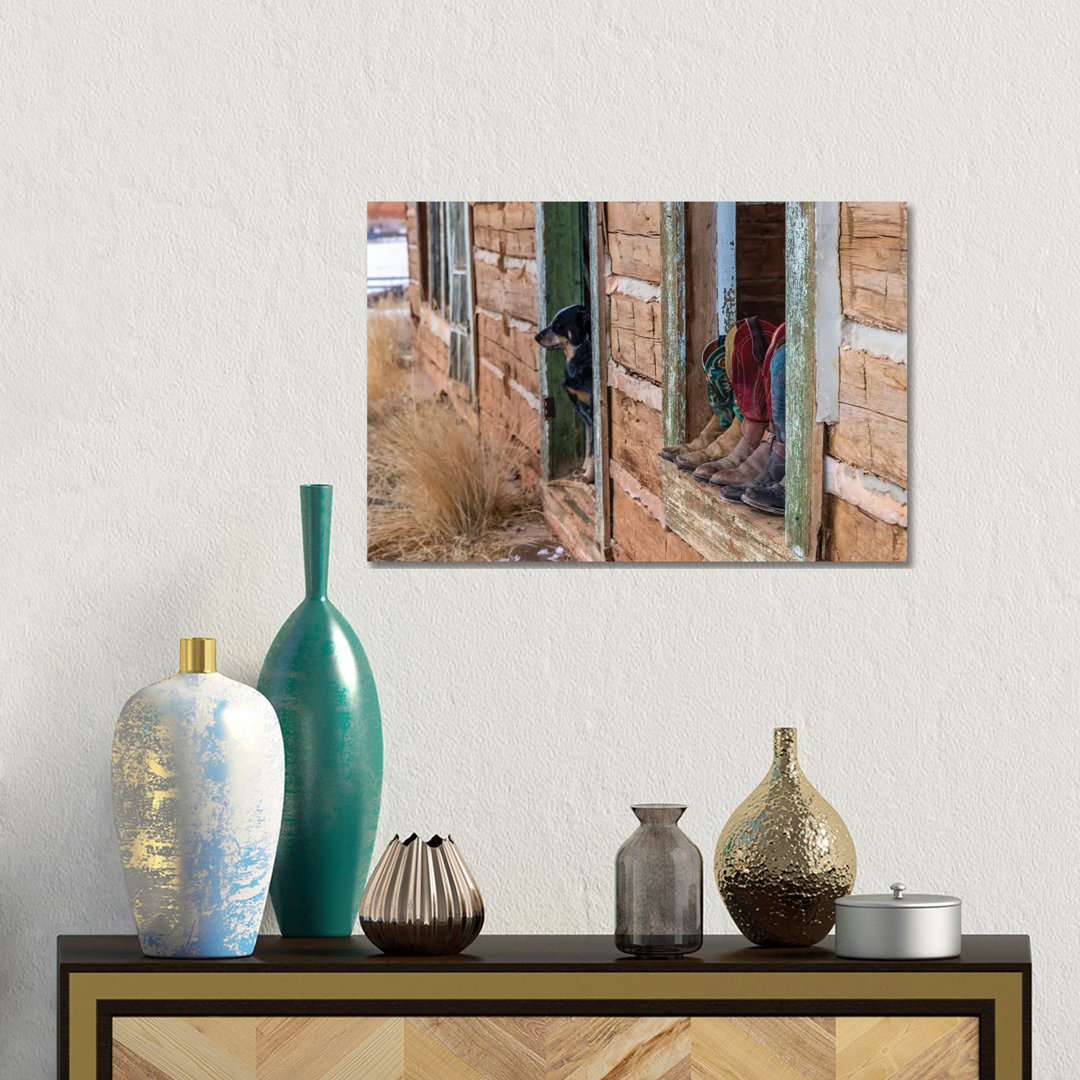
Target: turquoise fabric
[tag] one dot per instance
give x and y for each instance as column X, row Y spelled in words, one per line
column 721, row 395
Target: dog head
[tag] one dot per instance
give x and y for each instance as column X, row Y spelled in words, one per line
column 569, row 328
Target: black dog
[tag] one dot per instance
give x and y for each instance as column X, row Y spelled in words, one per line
column 571, row 331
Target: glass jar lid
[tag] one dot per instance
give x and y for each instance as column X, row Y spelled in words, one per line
column 899, row 898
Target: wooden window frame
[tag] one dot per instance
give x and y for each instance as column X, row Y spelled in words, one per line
column 721, row 531
column 441, row 307
column 464, row 330
column 554, row 267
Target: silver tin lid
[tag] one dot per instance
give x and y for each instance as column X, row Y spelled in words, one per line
column 899, row 898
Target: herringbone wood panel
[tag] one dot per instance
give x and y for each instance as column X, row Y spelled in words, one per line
column 907, row 1048
column 545, row 1048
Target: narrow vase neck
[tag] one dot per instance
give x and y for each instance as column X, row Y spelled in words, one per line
column 785, row 751
column 198, row 656
column 664, row 814
column 316, row 502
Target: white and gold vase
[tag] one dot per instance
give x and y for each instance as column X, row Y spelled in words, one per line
column 198, row 778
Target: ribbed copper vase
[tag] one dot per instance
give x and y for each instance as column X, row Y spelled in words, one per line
column 784, row 856
column 421, row 899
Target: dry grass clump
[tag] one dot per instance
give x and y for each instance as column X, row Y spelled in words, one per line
column 388, row 343
column 396, row 310
column 436, row 493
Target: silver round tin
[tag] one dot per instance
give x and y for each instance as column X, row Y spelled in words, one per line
column 898, row 926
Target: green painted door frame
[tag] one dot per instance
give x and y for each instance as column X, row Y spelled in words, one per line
column 560, row 282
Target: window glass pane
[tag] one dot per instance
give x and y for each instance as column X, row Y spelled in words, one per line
column 458, row 242
column 436, row 255
column 460, row 357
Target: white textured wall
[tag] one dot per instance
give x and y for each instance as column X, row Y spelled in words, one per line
column 182, row 191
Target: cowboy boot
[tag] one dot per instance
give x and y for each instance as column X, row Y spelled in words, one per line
column 747, row 469
column 743, row 449
column 708, row 434
column 771, row 474
column 770, row 499
column 720, row 447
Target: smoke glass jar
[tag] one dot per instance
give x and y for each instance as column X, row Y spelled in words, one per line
column 658, row 886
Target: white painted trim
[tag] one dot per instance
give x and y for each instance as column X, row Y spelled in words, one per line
column 639, row 290
column 636, row 491
column 880, row 498
column 891, row 344
column 828, row 315
column 634, row 386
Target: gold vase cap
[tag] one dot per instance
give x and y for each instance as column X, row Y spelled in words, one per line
column 198, row 655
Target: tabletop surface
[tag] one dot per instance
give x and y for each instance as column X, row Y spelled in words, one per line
column 1008, row 952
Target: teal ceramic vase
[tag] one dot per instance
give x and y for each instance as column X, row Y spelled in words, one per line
column 320, row 684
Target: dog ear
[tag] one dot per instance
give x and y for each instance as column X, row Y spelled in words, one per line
column 582, row 324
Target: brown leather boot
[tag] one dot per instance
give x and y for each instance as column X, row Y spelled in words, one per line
column 745, row 470
column 708, row 433
column 742, row 450
column 720, row 447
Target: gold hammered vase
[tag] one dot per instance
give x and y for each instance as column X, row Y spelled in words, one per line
column 784, row 856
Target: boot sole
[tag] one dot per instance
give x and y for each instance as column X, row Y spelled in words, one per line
column 777, row 510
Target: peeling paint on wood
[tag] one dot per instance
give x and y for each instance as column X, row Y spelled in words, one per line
column 673, row 318
column 828, row 318
column 600, row 350
column 803, row 481
column 726, row 282
column 560, row 281
column 719, row 530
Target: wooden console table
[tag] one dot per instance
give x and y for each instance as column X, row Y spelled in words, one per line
column 536, row 1008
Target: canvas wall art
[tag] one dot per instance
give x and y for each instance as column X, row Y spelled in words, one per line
column 644, row 382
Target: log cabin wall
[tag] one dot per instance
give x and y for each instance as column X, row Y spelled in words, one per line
column 504, row 265
column 634, row 374
column 864, row 510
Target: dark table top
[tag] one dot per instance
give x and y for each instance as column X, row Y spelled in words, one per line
column 536, row 952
